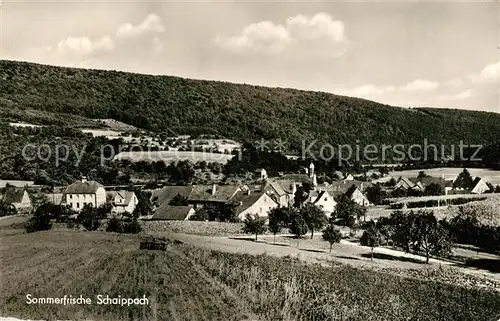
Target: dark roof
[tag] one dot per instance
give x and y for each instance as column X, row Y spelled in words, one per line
column 258, row 170
column 167, row 193
column 13, row 195
column 245, row 201
column 351, row 190
column 169, row 212
column 340, row 187
column 55, row 198
column 89, row 187
column 286, row 185
column 297, row 177
column 203, row 193
column 277, row 188
column 127, row 195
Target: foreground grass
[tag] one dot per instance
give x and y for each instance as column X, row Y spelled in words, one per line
column 189, row 283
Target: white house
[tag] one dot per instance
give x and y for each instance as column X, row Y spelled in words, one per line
column 357, row 196
column 323, row 200
column 480, row 186
column 122, row 201
column 84, row 192
column 254, row 203
column 261, row 174
column 19, row 198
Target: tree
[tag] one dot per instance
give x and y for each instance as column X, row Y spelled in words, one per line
column 314, row 217
column 297, row 224
column 422, row 174
column 254, row 225
column 375, row 194
column 331, row 235
column 434, row 189
column 7, row 209
column 39, row 222
column 421, row 232
column 277, row 220
column 372, row 237
column 301, row 194
column 200, row 214
column 144, row 206
column 347, row 211
column 430, row 236
column 464, row 180
column 89, row 217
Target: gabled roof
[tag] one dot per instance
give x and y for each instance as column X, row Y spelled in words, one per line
column 351, row 190
column 245, row 201
column 125, row 195
column 89, row 187
column 316, row 196
column 277, row 188
column 13, row 195
column 167, row 193
column 286, row 185
column 169, row 212
column 259, row 170
column 428, row 180
column 203, row 193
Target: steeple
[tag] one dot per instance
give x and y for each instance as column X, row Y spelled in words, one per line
column 311, row 170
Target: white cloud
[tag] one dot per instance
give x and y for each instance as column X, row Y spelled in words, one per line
column 264, row 37
column 490, row 73
column 83, row 46
column 421, row 85
column 151, row 24
column 298, row 33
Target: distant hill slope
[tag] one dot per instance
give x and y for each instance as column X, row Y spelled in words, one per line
column 185, row 106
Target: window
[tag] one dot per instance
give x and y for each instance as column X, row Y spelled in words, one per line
column 325, row 199
column 70, row 196
column 77, row 205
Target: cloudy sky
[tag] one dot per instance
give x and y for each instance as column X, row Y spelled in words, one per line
column 442, row 54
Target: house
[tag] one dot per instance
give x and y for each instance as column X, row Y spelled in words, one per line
column 341, row 187
column 19, row 198
column 214, row 194
column 280, row 196
column 173, row 213
column 323, row 200
column 357, row 196
column 168, row 193
column 480, row 186
column 349, row 177
column 122, row 201
column 260, row 174
column 250, row 202
column 406, row 183
column 84, row 192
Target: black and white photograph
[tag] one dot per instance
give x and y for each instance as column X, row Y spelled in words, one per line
column 249, row 160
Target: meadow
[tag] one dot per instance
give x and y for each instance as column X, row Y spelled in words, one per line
column 449, row 173
column 173, row 156
column 191, row 283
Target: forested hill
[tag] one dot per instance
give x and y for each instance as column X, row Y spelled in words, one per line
column 183, row 106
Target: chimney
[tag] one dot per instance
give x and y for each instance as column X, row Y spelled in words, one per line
column 214, row 189
column 84, row 179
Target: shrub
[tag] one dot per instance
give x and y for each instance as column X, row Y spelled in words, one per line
column 114, row 225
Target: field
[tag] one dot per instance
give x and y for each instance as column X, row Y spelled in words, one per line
column 193, row 227
column 190, row 283
column 173, row 156
column 489, row 175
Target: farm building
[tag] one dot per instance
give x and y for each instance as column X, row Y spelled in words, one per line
column 122, row 201
column 323, row 200
column 84, row 192
column 19, row 198
column 173, row 213
column 253, row 202
column 357, row 196
column 480, row 186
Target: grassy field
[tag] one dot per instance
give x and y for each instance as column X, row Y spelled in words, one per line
column 190, row 283
column 173, row 156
